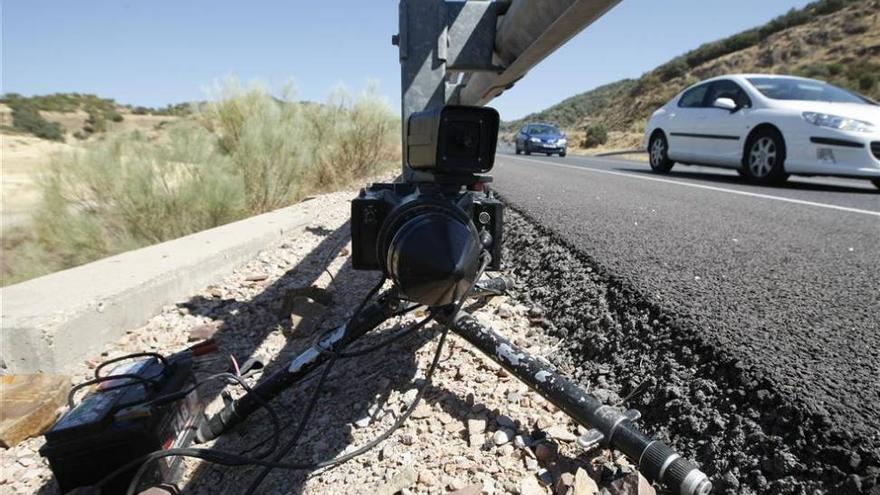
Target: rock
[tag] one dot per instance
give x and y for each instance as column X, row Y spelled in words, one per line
column 363, row 422
column 427, row 478
column 505, row 310
column 407, row 438
column 521, row 442
column 476, row 426
column 256, row 277
column 631, row 484
column 422, row 411
column 505, row 450
column 501, row 437
column 474, row 489
column 546, row 452
column 202, row 332
column 386, row 453
column 583, row 484
column 456, row 484
column 530, row 486
column 477, row 440
column 505, row 421
column 561, row 433
column 216, row 293
column 404, row 478
column 29, row 405
column 532, row 464
column 305, row 311
column 567, row 479
column 544, row 477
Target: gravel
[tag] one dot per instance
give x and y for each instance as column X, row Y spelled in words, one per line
column 750, row 437
column 479, row 430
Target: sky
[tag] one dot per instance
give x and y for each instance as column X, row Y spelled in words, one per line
column 156, row 52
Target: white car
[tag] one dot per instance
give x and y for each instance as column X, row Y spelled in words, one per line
column 768, row 127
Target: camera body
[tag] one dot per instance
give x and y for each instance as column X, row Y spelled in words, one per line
column 380, row 208
column 433, row 233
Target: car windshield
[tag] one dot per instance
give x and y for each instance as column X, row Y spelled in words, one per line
column 543, row 129
column 786, row 88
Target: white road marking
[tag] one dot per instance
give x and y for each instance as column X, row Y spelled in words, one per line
column 698, row 186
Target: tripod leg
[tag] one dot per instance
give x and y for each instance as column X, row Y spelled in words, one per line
column 237, row 411
column 655, row 459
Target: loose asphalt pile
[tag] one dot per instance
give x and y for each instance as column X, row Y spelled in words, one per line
column 748, row 436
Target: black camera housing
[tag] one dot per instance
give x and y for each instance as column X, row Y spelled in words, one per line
column 454, row 140
column 380, row 208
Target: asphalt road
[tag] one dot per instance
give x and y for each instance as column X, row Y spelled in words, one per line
column 786, row 279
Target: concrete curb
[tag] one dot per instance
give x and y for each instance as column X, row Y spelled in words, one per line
column 51, row 323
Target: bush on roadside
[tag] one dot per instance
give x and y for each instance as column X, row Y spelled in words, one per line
column 595, row 135
column 245, row 153
column 676, row 68
column 26, row 118
column 95, row 123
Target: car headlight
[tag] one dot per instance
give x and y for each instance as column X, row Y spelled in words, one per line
column 837, row 122
column 535, row 140
column 562, row 142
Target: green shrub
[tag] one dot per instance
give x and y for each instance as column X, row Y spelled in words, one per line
column 26, row 118
column 243, row 154
column 867, row 81
column 95, row 122
column 676, row 68
column 835, row 69
column 595, row 135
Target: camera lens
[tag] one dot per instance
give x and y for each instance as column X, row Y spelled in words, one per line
column 464, row 140
column 434, row 258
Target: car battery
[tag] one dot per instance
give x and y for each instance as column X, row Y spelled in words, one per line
column 121, row 420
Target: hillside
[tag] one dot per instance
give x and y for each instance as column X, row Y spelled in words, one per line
column 834, row 40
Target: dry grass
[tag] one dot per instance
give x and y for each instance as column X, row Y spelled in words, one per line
column 245, row 153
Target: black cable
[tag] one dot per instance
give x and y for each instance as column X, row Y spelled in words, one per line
column 228, row 459
column 369, row 296
column 146, row 460
column 146, row 382
column 76, row 388
column 108, row 362
column 403, row 417
column 310, row 408
column 356, row 353
column 384, row 342
column 208, row 455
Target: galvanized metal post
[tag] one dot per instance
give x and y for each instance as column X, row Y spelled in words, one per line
column 422, row 71
column 437, row 38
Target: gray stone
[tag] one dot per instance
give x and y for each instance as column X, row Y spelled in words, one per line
column 583, row 484
column 404, row 478
column 501, row 437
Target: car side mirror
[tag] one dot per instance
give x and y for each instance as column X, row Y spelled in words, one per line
column 726, row 104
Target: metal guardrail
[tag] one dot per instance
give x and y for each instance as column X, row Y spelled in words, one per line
column 467, row 53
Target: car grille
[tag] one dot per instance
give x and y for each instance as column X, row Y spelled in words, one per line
column 875, row 149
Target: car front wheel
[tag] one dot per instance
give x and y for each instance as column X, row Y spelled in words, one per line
column 764, row 161
column 658, row 149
